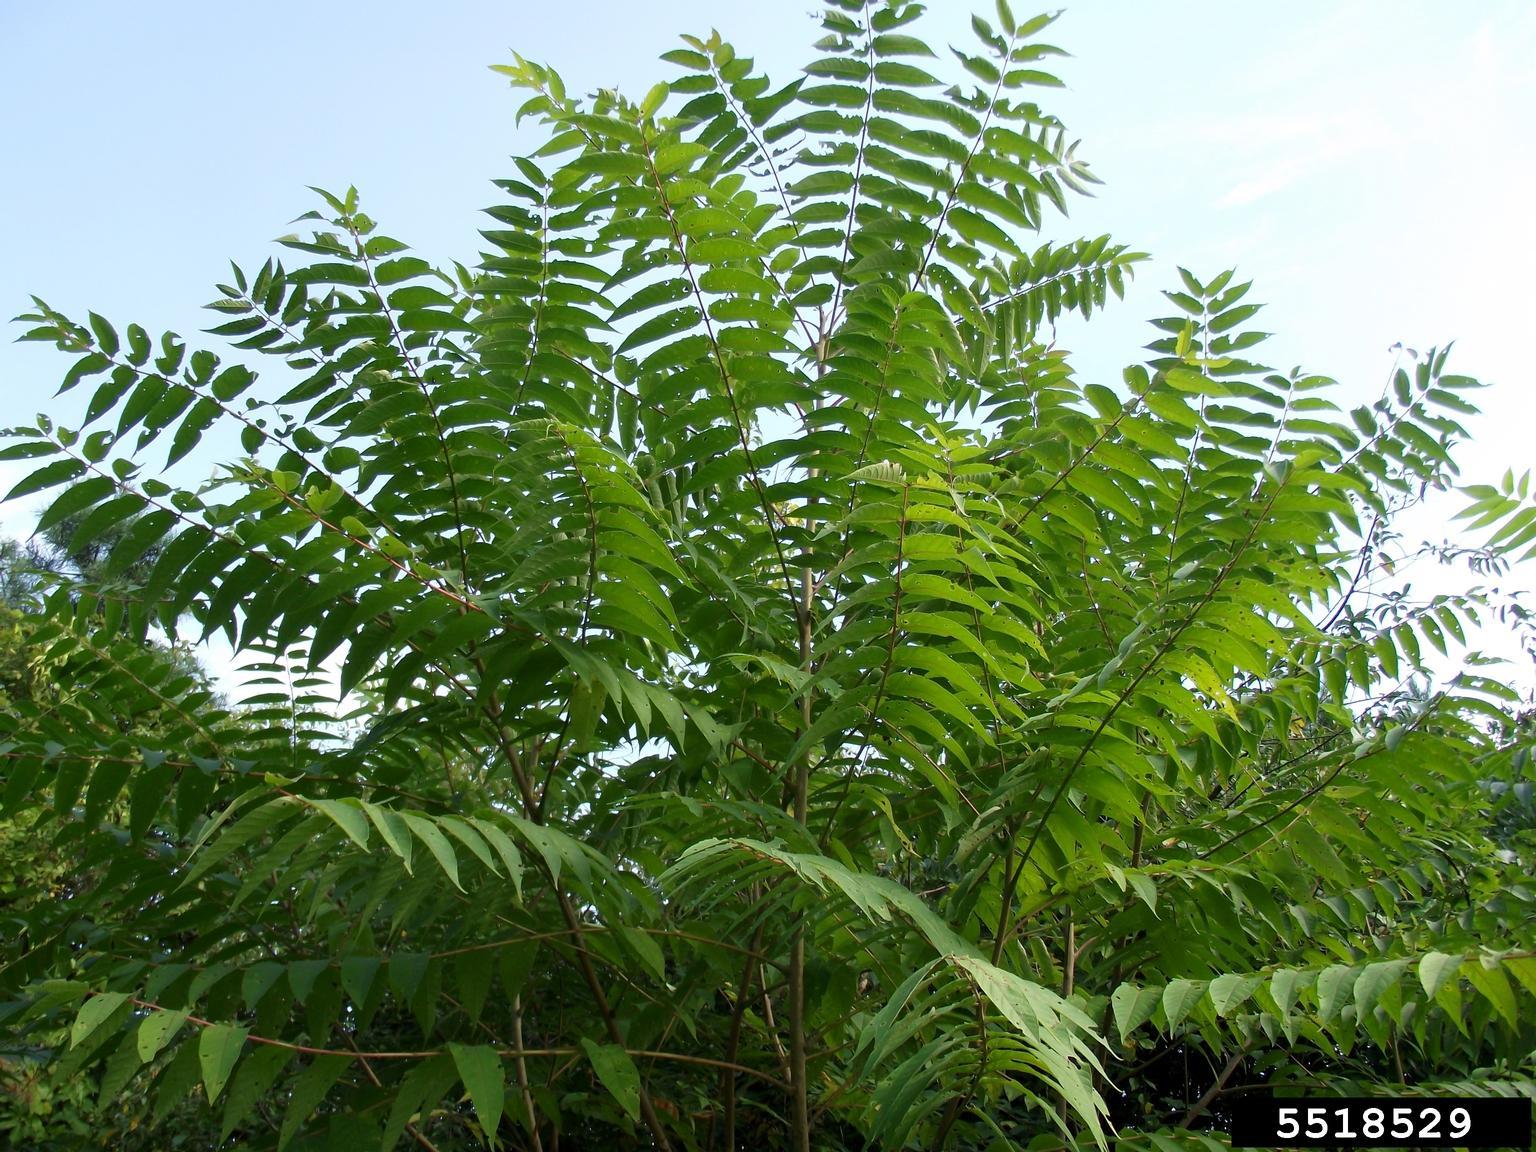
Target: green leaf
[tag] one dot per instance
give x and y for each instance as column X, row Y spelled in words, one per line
column 1495, row 987
column 393, row 830
column 480, row 1069
column 1231, row 991
column 257, row 982
column 156, row 1031
column 178, row 1078
column 1286, row 984
column 1435, row 968
column 892, row 44
column 348, row 818
column 1144, row 887
column 406, row 970
column 1523, row 969
column 75, row 499
column 119, row 1072
column 643, row 945
column 473, row 970
column 654, row 100
column 106, row 335
column 302, row 976
column 252, row 1082
column 1333, row 984
column 218, row 1048
column 1374, row 980
column 357, row 977
column 430, row 835
column 1179, row 997
column 309, row 1090
column 48, row 476
column 93, row 1014
column 1133, row 1007
column 421, row 1087
column 975, row 227
column 617, row 1073
column 505, row 850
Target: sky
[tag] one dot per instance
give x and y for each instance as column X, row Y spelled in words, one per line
column 1367, row 162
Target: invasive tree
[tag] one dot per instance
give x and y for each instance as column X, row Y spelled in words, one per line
column 789, row 707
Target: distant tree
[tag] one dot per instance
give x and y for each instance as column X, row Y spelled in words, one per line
column 60, row 553
column 44, row 886
column 797, row 711
column 19, row 576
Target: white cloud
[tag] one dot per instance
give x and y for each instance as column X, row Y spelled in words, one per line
column 1251, row 190
column 1277, row 152
column 1367, row 93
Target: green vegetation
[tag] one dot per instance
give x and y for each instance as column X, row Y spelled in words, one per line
column 722, row 680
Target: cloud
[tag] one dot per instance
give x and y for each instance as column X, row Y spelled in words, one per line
column 1373, row 91
column 1273, row 153
column 1248, row 191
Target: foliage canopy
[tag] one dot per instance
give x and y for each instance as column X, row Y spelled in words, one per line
column 784, row 704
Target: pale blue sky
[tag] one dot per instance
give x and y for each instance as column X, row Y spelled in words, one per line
column 1369, row 162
